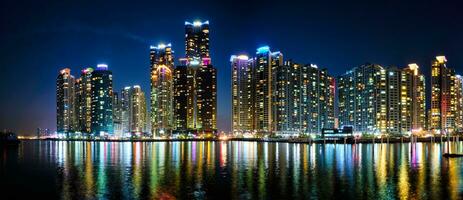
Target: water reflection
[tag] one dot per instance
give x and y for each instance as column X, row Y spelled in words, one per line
column 239, row 170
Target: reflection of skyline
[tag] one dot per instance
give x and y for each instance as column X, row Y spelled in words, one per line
column 248, row 169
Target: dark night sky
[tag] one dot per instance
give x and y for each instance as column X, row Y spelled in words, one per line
column 38, row 38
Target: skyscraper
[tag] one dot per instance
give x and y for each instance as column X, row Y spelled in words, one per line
column 265, row 63
column 125, row 109
column 117, row 115
column 65, row 103
column 443, row 104
column 181, row 94
column 137, row 106
column 242, row 95
column 195, row 97
column 459, row 103
column 303, row 99
column 394, row 100
column 272, row 96
column 413, row 99
column 162, row 89
column 102, row 98
column 197, row 42
column 362, row 99
column 376, row 100
column 84, row 100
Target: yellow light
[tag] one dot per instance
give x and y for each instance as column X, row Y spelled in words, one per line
column 441, row 59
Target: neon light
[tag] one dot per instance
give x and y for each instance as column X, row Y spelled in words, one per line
column 240, row 57
column 263, row 49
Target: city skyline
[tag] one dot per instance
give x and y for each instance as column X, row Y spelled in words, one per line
column 29, row 114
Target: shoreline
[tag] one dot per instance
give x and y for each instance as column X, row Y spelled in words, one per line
column 277, row 140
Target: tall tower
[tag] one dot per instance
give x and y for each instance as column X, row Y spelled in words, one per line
column 363, row 99
column 162, row 93
column 242, row 95
column 197, row 42
column 459, row 102
column 195, row 93
column 102, row 98
column 65, row 103
column 442, row 96
column 125, row 109
column 413, row 99
column 266, row 63
column 84, row 100
column 137, row 107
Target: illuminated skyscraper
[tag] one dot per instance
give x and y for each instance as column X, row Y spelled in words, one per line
column 84, row 100
column 242, row 95
column 181, row 97
column 125, row 110
column 265, row 64
column 197, row 42
column 137, row 107
column 363, row 99
column 270, row 96
column 303, row 99
column 459, row 103
column 102, row 98
column 117, row 114
column 65, row 103
column 394, row 91
column 195, row 83
column 413, row 99
column 443, row 103
column 162, row 89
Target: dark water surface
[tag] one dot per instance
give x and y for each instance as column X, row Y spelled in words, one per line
column 229, row 170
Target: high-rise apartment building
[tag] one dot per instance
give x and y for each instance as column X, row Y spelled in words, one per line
column 413, row 100
column 102, row 98
column 265, row 63
column 242, row 94
column 65, row 102
column 272, row 96
column 83, row 92
column 362, row 99
column 443, row 95
column 162, row 89
column 375, row 100
column 303, row 99
column 195, row 82
column 197, row 42
column 459, row 103
column 137, row 107
column 117, row 115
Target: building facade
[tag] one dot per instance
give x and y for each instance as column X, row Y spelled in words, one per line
column 272, row 96
column 83, row 92
column 362, row 100
column 65, row 103
column 443, row 103
column 242, row 95
column 195, row 84
column 376, row 100
column 102, row 98
column 137, row 110
column 162, row 90
column 413, row 100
